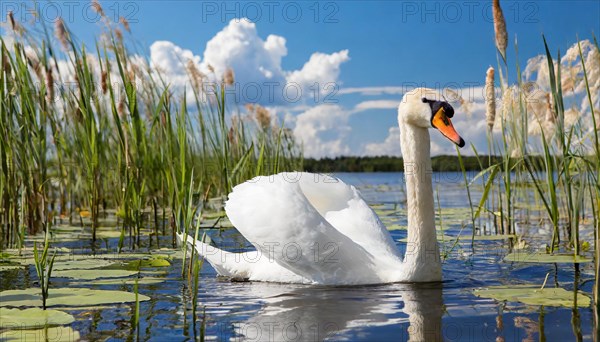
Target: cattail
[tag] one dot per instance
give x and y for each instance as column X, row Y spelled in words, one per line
column 97, row 8
column 60, row 31
column 263, row 117
column 231, row 137
column 125, row 24
column 103, row 84
column 49, row 85
column 228, row 77
column 500, row 29
column 121, row 107
column 490, row 99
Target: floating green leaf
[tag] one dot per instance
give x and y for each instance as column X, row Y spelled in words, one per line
column 93, row 274
column 533, row 295
column 128, row 281
column 9, row 267
column 81, row 264
column 32, row 318
column 56, row 334
column 489, row 237
column 542, row 258
column 66, row 297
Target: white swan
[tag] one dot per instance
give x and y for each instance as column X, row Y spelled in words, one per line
column 309, row 228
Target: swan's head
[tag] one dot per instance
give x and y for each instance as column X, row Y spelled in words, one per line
column 423, row 108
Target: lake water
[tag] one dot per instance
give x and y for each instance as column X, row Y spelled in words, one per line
column 255, row 311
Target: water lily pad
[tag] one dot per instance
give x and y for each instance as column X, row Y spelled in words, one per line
column 128, row 281
column 156, row 262
column 542, row 258
column 108, row 234
column 56, row 334
column 214, row 215
column 9, row 267
column 533, row 295
column 66, row 297
column 93, row 274
column 32, row 318
column 81, row 264
column 489, row 237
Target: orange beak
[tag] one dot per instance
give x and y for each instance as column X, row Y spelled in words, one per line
column 444, row 125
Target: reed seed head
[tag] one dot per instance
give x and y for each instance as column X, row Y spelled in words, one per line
column 61, row 33
column 228, row 77
column 500, row 28
column 196, row 76
column 103, row 84
column 490, row 99
column 263, row 117
column 119, row 34
column 49, row 85
column 125, row 24
column 98, row 8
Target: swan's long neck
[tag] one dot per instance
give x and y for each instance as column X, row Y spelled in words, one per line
column 422, row 259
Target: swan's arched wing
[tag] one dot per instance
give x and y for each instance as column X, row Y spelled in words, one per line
column 277, row 218
column 345, row 209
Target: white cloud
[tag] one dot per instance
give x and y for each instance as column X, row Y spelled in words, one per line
column 253, row 59
column 256, row 62
column 373, row 91
column 389, row 147
column 320, row 69
column 322, row 131
column 376, row 104
column 170, row 60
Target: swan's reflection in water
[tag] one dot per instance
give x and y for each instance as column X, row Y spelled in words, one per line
column 308, row 313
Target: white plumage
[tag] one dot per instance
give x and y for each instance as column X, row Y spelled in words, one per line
column 311, row 228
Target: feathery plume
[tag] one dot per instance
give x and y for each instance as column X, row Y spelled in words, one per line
column 263, row 117
column 60, row 31
column 125, row 24
column 34, row 62
column 196, row 76
column 228, row 77
column 490, row 99
column 500, row 29
column 119, row 34
column 98, row 8
column 210, row 68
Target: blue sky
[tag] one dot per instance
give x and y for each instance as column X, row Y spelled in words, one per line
column 389, row 44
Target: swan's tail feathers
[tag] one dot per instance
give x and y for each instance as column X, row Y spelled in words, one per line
column 223, row 262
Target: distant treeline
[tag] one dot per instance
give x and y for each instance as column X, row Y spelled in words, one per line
column 393, row 164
